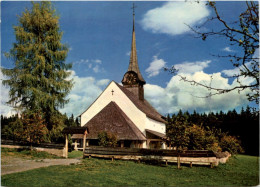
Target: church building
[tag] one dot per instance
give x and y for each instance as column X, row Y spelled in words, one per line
column 123, row 111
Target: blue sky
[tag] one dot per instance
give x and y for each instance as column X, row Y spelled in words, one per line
column 99, row 37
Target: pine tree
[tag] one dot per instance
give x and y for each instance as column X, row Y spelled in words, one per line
column 39, row 79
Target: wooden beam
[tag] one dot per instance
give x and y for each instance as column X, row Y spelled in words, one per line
column 84, row 142
column 155, row 140
column 66, row 145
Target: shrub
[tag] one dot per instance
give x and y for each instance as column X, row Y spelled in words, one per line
column 107, row 139
column 230, row 144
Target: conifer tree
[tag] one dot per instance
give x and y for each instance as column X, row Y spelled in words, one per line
column 39, row 79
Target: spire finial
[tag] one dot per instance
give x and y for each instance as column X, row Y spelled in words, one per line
column 134, row 9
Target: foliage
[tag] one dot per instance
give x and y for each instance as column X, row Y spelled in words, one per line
column 240, row 171
column 176, row 131
column 243, row 125
column 13, row 129
column 216, row 132
column 34, row 128
column 197, row 137
column 107, row 139
column 39, row 79
column 244, row 34
column 230, row 144
column 202, row 139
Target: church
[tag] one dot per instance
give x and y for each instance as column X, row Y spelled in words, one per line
column 122, row 110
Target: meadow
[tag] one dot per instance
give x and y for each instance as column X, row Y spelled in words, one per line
column 240, row 170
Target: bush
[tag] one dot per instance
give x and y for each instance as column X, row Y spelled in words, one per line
column 107, row 139
column 230, row 144
column 202, row 139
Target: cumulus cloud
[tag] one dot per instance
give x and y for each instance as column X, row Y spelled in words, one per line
column 4, row 108
column 171, row 18
column 83, row 93
column 192, row 67
column 155, row 66
column 182, row 95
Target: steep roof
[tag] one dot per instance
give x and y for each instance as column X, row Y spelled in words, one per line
column 144, row 106
column 111, row 118
column 133, row 63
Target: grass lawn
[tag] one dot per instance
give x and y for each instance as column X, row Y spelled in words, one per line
column 25, row 153
column 241, row 170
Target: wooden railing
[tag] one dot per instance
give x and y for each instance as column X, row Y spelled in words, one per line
column 44, row 145
column 200, row 157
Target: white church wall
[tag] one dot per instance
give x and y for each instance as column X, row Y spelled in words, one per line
column 137, row 116
column 155, row 125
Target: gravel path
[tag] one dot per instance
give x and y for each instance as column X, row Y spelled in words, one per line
column 10, row 164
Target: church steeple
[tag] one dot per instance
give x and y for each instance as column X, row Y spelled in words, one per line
column 133, row 79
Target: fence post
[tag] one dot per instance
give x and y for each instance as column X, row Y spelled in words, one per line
column 66, row 145
column 179, row 161
column 84, row 142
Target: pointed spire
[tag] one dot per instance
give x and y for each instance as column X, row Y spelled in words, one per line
column 133, row 64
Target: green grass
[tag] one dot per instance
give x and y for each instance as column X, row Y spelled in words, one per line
column 239, row 171
column 25, row 153
column 75, row 154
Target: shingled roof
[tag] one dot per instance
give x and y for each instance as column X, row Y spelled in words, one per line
column 144, row 106
column 111, row 118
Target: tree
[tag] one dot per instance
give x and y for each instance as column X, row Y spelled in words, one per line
column 176, row 131
column 39, row 79
column 34, row 130
column 243, row 33
column 12, row 129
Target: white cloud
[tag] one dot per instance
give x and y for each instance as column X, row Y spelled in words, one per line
column 192, row 67
column 4, row 108
column 83, row 93
column 81, row 61
column 96, row 69
column 172, row 17
column 92, row 64
column 228, row 49
column 182, row 95
column 155, row 66
column 103, row 82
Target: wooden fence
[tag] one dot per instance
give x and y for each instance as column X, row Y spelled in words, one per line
column 190, row 157
column 43, row 145
column 52, row 148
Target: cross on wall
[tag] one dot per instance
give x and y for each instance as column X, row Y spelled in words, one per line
column 112, row 92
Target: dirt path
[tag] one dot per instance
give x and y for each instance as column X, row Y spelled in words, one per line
column 10, row 164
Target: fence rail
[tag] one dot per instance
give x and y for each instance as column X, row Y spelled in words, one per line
column 43, row 145
column 145, row 152
column 200, row 157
